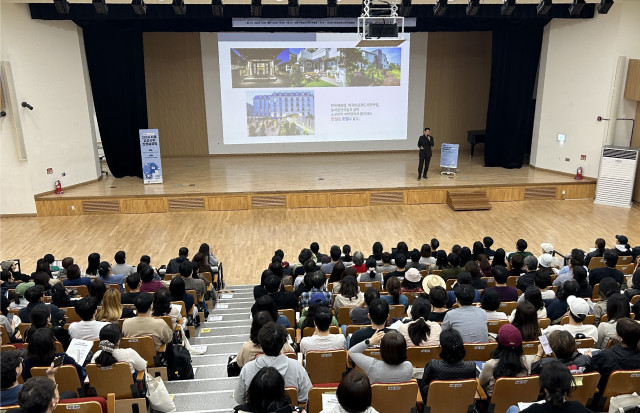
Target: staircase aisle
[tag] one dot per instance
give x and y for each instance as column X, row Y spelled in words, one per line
column 212, row 390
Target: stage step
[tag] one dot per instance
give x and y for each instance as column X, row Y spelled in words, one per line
column 468, row 200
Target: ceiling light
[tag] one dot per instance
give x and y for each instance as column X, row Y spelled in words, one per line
column 256, row 8
column 100, row 6
column 508, row 7
column 62, row 6
column 576, row 7
column 440, row 8
column 332, row 8
column 604, row 6
column 179, row 7
column 139, row 7
column 217, row 7
column 473, row 7
column 294, row 8
column 544, row 7
column 405, row 8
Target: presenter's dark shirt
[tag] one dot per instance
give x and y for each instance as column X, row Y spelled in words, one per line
column 426, row 144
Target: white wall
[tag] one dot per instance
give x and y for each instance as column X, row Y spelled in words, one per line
column 415, row 117
column 49, row 72
column 575, row 86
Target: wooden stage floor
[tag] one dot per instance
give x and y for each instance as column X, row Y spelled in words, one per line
column 297, row 181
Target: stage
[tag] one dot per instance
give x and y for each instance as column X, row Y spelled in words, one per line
column 240, row 182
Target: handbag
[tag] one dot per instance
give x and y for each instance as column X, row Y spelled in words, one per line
column 233, row 370
column 625, row 403
column 157, row 395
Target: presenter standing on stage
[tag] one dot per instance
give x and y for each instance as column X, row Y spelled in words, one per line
column 425, row 142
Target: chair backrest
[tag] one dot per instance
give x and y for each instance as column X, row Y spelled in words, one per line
column 289, row 288
column 8, row 347
column 183, row 307
column 512, row 280
column 66, row 377
column 589, row 319
column 292, row 392
column 292, row 333
column 394, row 397
column 635, row 299
column 5, row 336
column 494, row 325
column 82, row 290
column 365, row 285
column 343, row 315
column 410, row 296
column 23, row 327
column 314, row 404
column 70, row 314
column 397, row 311
column 115, row 379
column 352, row 328
column 373, row 352
column 621, row 382
column 597, row 262
column 167, row 320
column 449, row 284
column 511, row 390
column 624, row 259
column 194, row 295
column 326, row 366
column 169, row 277
column 290, row 314
column 625, row 268
column 585, row 342
column 479, row 351
column 530, row 348
column 114, row 286
column 450, row 395
column 586, row 387
column 308, row 331
column 419, row 356
column 206, row 275
column 143, row 345
column 508, row 306
column 424, row 273
column 604, row 318
column 595, row 293
column 91, row 406
column 491, row 282
column 544, row 323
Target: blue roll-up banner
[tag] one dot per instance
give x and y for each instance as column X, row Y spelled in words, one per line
column 449, row 155
column 150, row 151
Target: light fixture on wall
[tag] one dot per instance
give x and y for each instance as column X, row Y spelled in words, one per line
column 604, row 6
column 179, row 7
column 294, row 8
column 100, row 6
column 440, row 7
column 473, row 7
column 544, row 7
column 217, row 7
column 405, row 8
column 508, row 7
column 256, row 8
column 139, row 7
column 576, row 7
column 62, row 6
column 332, row 8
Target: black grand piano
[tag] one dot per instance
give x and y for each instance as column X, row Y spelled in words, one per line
column 475, row 137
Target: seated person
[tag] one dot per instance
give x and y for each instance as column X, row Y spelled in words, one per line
column 39, row 394
column 307, row 315
column 517, row 266
column 453, row 267
column 508, row 360
column 617, row 308
column 266, row 393
column 378, row 316
column 260, row 290
column 162, row 306
column 533, row 295
column 412, row 281
column 525, row 320
column 283, row 299
column 564, row 350
column 334, row 253
column 134, row 282
column 149, row 284
column 11, row 365
column 179, row 293
column 318, row 280
column 88, row 328
column 143, row 324
column 35, row 295
column 521, row 247
column 438, row 298
column 463, row 278
column 372, row 274
column 358, row 314
column 74, row 278
column 350, row 294
column 196, row 284
column 476, row 275
column 386, row 263
column 354, row 394
column 271, row 338
column 634, row 288
column 266, row 303
column 558, row 307
column 490, row 303
column 308, row 267
column 608, row 287
column 106, row 275
column 42, row 351
column 609, row 270
column 321, row 338
column 451, row 366
column 543, row 282
column 121, row 267
column 414, row 261
column 251, row 348
column 528, row 279
column 580, row 276
column 395, row 296
column 469, row 320
column 394, row 366
column 401, row 262
column 110, row 352
column 578, row 311
column 420, row 331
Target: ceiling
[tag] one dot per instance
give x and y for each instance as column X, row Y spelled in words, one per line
column 302, row 2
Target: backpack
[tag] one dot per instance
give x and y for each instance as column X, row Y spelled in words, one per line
column 178, row 362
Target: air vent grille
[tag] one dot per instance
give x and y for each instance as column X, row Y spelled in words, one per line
column 101, row 207
column 387, row 198
column 269, row 201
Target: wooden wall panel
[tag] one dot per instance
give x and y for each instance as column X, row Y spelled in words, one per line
column 143, row 205
column 632, row 86
column 576, row 191
column 59, row 208
column 227, row 203
column 309, row 200
column 175, row 92
column 503, row 194
column 433, row 196
column 457, row 85
column 349, row 199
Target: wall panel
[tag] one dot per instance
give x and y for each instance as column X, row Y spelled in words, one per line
column 175, row 92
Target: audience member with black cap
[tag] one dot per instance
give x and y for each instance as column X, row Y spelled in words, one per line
column 622, row 245
column 469, row 320
column 378, row 316
column 609, row 270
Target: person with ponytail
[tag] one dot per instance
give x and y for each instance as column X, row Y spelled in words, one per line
column 350, row 294
column 372, row 273
column 395, row 296
column 421, row 331
column 556, row 382
column 110, row 353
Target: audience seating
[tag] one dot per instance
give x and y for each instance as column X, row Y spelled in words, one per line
column 82, row 290
column 70, row 315
column 352, row 328
column 597, row 262
column 595, row 293
column 115, row 379
column 494, row 325
column 66, row 378
column 373, row 352
column 544, row 323
column 365, row 285
column 343, row 315
column 411, row 296
column 144, row 346
column 8, row 347
column 326, row 366
column 450, row 283
column 58, row 347
column 586, row 387
column 511, row 390
column 635, row 299
column 450, row 396
column 292, row 333
column 626, row 269
column 491, row 282
column 5, row 336
column 530, row 348
column 397, row 311
column 508, row 307
column 479, row 351
column 314, row 404
column 419, row 356
column 394, row 397
column 292, row 393
column 584, row 342
column 588, row 320
column 308, row 331
column 624, row 260
column 512, row 281
column 290, row 314
column 621, row 382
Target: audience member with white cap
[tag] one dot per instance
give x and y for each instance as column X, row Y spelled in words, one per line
column 578, row 311
column 547, row 248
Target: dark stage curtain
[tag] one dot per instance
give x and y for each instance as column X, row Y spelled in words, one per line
column 116, row 67
column 514, row 64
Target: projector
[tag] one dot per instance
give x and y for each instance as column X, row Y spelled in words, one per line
column 382, row 30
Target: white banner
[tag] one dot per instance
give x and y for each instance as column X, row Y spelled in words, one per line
column 449, row 155
column 150, row 152
column 289, row 22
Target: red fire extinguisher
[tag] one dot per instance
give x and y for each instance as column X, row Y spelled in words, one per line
column 58, row 187
column 579, row 173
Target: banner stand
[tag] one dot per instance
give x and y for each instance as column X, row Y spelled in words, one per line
column 150, row 152
column 449, row 159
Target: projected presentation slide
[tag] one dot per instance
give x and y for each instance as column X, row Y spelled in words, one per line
column 279, row 88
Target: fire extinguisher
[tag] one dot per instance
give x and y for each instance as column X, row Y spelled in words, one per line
column 58, row 187
column 579, row 173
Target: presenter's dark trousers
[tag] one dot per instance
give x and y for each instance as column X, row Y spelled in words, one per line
column 423, row 161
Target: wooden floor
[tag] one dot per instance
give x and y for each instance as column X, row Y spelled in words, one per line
column 318, row 172
column 245, row 240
